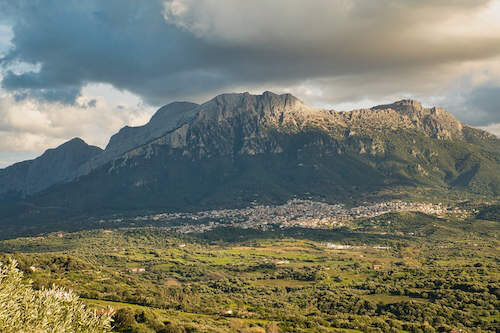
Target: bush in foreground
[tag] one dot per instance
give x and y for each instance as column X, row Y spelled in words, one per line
column 23, row 309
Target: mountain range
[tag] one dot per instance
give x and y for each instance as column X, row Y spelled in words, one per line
column 237, row 148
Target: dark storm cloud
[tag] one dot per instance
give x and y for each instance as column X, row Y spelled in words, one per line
column 481, row 105
column 125, row 43
column 487, row 98
column 183, row 48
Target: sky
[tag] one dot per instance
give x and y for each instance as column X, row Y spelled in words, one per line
column 87, row 68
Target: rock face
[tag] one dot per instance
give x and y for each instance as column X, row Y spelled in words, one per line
column 406, row 114
column 239, row 147
column 233, row 124
column 54, row 166
column 166, row 119
column 237, row 124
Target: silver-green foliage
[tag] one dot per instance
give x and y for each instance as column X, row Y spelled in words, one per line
column 23, row 309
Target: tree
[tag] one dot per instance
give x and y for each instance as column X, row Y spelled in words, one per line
column 23, row 309
column 123, row 320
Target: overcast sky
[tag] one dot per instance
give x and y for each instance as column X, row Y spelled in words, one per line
column 87, row 68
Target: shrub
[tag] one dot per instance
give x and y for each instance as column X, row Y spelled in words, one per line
column 23, row 309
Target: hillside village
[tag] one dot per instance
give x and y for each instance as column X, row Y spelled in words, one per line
column 294, row 213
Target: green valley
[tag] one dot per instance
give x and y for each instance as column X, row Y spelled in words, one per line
column 396, row 272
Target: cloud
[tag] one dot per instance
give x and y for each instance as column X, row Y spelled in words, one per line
column 186, row 48
column 493, row 128
column 486, row 101
column 124, row 43
column 474, row 97
column 68, row 63
column 478, row 106
column 9, row 158
column 324, row 25
column 31, row 125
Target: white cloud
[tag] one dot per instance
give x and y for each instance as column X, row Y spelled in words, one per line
column 323, row 25
column 340, row 54
column 493, row 129
column 32, row 126
column 355, row 53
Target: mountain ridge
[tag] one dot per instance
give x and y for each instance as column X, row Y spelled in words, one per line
column 53, row 166
column 275, row 146
column 434, row 122
column 127, row 138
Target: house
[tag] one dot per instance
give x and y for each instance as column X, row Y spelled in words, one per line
column 105, row 312
column 337, row 246
column 137, row 270
column 227, row 313
column 280, row 262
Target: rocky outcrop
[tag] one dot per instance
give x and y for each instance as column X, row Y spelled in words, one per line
column 167, row 118
column 52, row 167
column 403, row 115
column 434, row 122
column 233, row 124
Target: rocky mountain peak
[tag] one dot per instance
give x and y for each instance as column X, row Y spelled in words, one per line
column 236, row 126
column 75, row 142
column 408, row 105
column 267, row 98
column 236, row 123
column 175, row 110
column 243, row 123
column 73, row 147
column 435, row 122
column 268, row 107
column 288, row 99
column 165, row 119
column 53, row 166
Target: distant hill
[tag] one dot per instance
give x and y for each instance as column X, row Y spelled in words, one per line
column 241, row 147
column 54, row 166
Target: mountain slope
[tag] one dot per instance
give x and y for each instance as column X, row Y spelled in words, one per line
column 53, row 166
column 241, row 147
column 164, row 120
